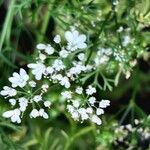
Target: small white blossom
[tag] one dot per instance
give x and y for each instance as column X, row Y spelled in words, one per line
column 70, row 108
column 76, row 103
column 83, row 113
column 120, row 29
column 34, row 113
column 89, row 110
column 47, row 103
column 104, row 103
column 75, row 115
column 38, row 70
column 126, row 40
column 19, row 79
column 75, row 40
column 12, row 101
column 58, row 65
column 90, row 90
column 92, row 100
column 8, row 91
column 45, row 87
column 43, row 114
column 14, row 115
column 63, row 53
column 96, row 120
column 49, row 70
column 65, row 82
column 99, row 111
column 48, row 48
column 66, row 95
column 101, row 60
column 79, row 90
column 37, row 98
column 57, row 39
column 23, row 103
column 42, row 57
column 81, row 56
column 32, row 83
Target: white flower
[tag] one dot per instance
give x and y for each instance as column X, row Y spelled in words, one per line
column 12, row 101
column 45, row 87
column 49, row 70
column 75, row 115
column 83, row 113
column 96, row 120
column 79, row 90
column 101, row 59
column 48, row 48
column 126, row 40
column 120, row 29
column 47, row 103
column 38, row 70
column 63, row 53
column 99, row 111
column 58, row 65
column 56, row 77
column 104, row 103
column 81, row 56
column 66, row 94
column 57, row 39
column 13, row 114
column 92, row 100
column 65, row 82
column 89, row 110
column 76, row 69
column 32, row 83
column 90, row 90
column 42, row 57
column 75, row 40
column 37, row 98
column 23, row 103
column 76, row 103
column 8, row 91
column 19, row 79
column 43, row 114
column 70, row 108
column 34, row 113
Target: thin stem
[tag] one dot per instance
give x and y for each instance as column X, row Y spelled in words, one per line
column 7, row 22
column 45, row 23
column 78, row 134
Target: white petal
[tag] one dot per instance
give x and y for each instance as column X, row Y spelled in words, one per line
column 32, row 65
column 75, row 34
column 45, row 115
column 38, row 76
column 81, row 38
column 82, row 45
column 8, row 114
column 68, row 36
column 41, row 46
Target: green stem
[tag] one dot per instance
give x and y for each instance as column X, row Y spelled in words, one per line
column 45, row 23
column 7, row 23
column 78, row 134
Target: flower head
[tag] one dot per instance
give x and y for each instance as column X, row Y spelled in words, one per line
column 19, row 79
column 75, row 40
column 13, row 114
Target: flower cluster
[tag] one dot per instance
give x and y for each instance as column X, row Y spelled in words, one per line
column 83, row 105
column 140, row 129
column 22, row 94
column 62, row 66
